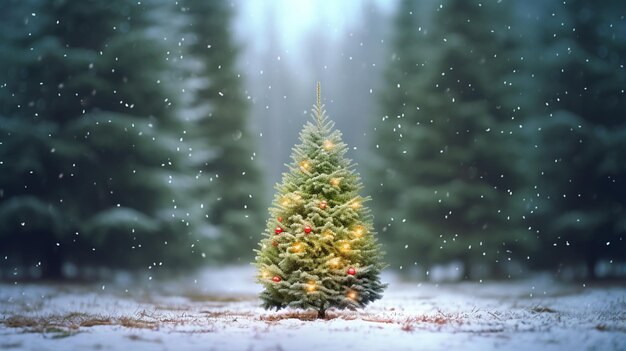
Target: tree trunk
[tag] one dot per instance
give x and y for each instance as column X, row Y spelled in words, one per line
column 498, row 271
column 321, row 314
column 590, row 262
column 53, row 264
column 467, row 269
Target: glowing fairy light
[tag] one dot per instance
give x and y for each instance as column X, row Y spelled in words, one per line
column 311, row 286
column 328, row 145
column 297, row 247
column 358, row 231
column 335, row 182
column 265, row 274
column 352, row 295
column 285, row 201
column 345, row 247
column 334, row 263
column 305, row 165
column 355, row 204
column 290, row 199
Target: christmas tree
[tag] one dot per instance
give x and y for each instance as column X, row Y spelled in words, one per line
column 319, row 249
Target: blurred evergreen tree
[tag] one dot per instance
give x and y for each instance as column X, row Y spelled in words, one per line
column 224, row 146
column 582, row 134
column 357, row 70
column 448, row 144
column 89, row 168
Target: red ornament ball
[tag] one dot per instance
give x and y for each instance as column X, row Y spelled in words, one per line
column 323, row 205
column 280, row 219
column 276, row 279
column 351, row 271
column 307, row 229
column 278, row 230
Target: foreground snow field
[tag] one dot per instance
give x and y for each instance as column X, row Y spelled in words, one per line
column 218, row 310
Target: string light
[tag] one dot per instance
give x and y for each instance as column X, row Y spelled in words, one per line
column 285, row 201
column 358, row 231
column 352, row 295
column 334, row 263
column 304, row 165
column 265, row 274
column 311, row 286
column 297, row 247
column 289, row 199
column 345, row 247
column 355, row 204
column 328, row 145
column 335, row 182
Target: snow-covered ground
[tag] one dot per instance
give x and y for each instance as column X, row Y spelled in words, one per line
column 218, row 310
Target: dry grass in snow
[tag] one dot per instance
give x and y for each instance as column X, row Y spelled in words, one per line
column 198, row 314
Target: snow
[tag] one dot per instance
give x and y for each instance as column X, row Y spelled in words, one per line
column 218, row 310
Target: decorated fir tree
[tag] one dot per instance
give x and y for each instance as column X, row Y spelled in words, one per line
column 319, row 250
